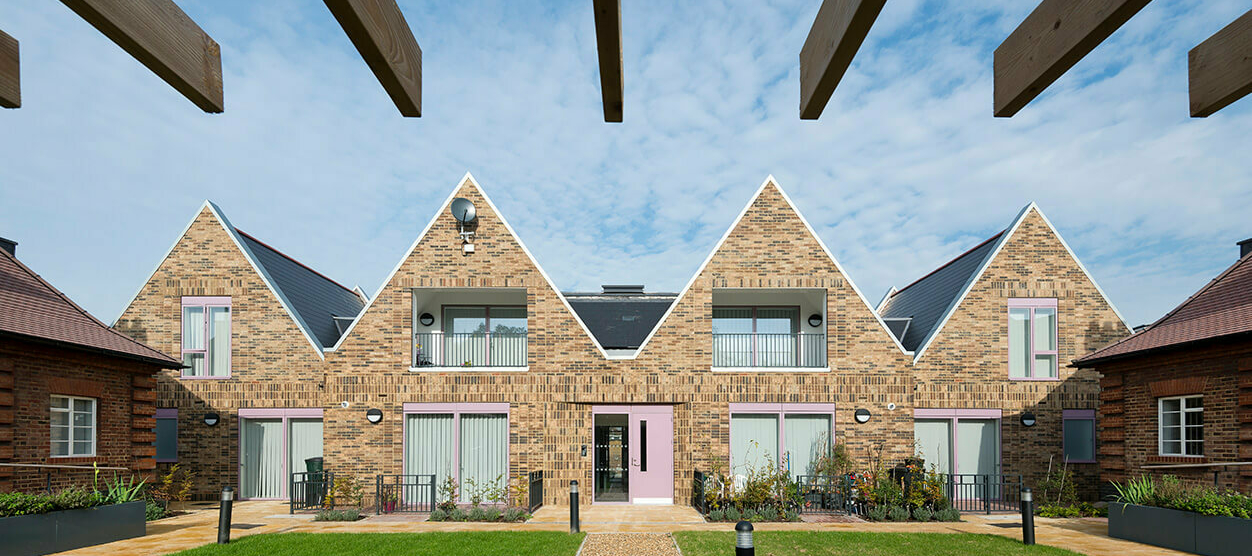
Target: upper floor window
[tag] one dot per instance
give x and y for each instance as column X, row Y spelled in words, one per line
column 1032, row 339
column 764, row 337
column 73, row 426
column 1181, row 421
column 475, row 336
column 206, row 337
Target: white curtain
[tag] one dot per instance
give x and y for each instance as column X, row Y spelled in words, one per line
column 263, row 458
column 193, row 338
column 1045, row 340
column 753, row 442
column 484, row 450
column 219, row 341
column 978, row 450
column 933, row 439
column 807, row 438
column 1019, row 343
column 304, row 441
column 428, row 448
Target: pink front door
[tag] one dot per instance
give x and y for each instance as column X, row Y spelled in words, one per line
column 651, row 454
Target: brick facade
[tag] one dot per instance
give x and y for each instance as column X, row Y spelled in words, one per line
column 30, row 373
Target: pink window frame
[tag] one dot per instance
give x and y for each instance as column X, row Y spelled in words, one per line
column 172, row 414
column 444, row 322
column 1079, row 415
column 205, row 303
column 956, row 415
column 456, row 410
column 781, row 410
column 1034, row 303
column 285, row 415
column 795, row 324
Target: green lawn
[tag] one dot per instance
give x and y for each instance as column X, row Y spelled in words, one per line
column 485, row 543
column 820, row 543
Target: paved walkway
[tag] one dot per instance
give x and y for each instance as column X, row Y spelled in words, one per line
column 199, row 526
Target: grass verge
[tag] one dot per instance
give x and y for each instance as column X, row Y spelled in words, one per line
column 467, row 543
column 822, row 543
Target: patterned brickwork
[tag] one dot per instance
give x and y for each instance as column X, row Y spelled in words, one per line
column 966, row 366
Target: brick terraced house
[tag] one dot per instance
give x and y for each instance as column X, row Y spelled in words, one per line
column 73, row 392
column 475, row 366
column 1177, row 395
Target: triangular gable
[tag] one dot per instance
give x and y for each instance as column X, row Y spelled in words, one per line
column 468, row 179
column 769, row 181
column 247, row 254
column 999, row 245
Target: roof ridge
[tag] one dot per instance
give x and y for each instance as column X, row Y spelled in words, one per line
column 84, row 312
column 949, row 263
column 293, row 259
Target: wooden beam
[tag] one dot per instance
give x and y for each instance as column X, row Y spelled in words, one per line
column 382, row 36
column 836, row 35
column 609, row 48
column 163, row 38
column 1219, row 70
column 10, row 73
column 1049, row 41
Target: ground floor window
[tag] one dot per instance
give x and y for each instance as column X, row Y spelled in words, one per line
column 166, row 435
column 794, row 435
column 73, row 426
column 1079, row 435
column 468, row 443
column 1181, row 426
column 274, row 443
column 960, row 441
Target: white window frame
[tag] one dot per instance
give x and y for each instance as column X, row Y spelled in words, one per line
column 1183, row 410
column 70, row 427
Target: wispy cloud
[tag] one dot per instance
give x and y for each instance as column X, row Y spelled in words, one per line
column 105, row 163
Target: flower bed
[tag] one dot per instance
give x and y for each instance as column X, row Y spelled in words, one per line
column 1168, row 514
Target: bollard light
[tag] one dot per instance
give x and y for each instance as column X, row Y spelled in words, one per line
column 573, row 507
column 1028, row 517
column 743, row 539
column 223, row 515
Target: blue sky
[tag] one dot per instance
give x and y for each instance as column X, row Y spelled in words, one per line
column 105, row 163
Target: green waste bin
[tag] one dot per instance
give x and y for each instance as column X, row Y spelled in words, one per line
column 315, row 486
column 313, row 465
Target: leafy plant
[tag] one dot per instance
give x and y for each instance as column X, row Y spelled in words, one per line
column 477, row 513
column 717, row 515
column 791, row 515
column 175, row 485
column 346, row 490
column 338, row 515
column 154, row 511
column 20, row 503
column 1140, row 491
column 448, row 491
column 898, row 513
column 438, row 515
column 457, row 514
column 949, row 514
column 1054, row 510
column 878, row 513
column 492, row 514
column 516, row 514
column 120, row 491
column 922, row 514
column 733, row 514
column 1057, row 487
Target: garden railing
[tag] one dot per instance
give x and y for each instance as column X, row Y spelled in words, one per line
column 308, row 490
column 535, row 478
column 404, row 494
column 984, row 493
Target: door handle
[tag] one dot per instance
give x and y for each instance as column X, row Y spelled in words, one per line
column 634, row 462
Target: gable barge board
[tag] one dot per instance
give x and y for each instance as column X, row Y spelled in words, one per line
column 1219, row 70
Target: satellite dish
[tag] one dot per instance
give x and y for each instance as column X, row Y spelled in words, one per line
column 463, row 210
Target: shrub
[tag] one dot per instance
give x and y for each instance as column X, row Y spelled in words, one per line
column 949, row 514
column 74, row 498
column 515, row 514
column 438, row 515
column 457, row 514
column 338, row 515
column 717, row 515
column 878, row 513
column 923, row 514
column 346, row 490
column 493, row 514
column 1053, row 510
column 477, row 514
column 1057, row 487
column 898, row 513
column 448, row 490
column 20, row 503
column 1170, row 492
column 768, row 513
column 174, row 486
column 750, row 515
column 154, row 511
column 733, row 514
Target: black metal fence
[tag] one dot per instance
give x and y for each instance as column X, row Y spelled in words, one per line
column 769, row 350
column 535, row 478
column 697, row 493
column 308, row 490
column 404, row 493
column 984, row 493
column 828, row 494
column 489, row 349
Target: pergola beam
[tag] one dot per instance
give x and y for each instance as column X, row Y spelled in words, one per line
column 609, row 48
column 378, row 30
column 10, row 73
column 1219, row 70
column 163, row 38
column 836, row 35
column 1049, row 41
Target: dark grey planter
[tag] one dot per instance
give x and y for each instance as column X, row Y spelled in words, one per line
column 1179, row 530
column 35, row 535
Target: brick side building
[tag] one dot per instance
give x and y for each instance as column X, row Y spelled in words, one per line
column 1177, row 396
column 72, row 391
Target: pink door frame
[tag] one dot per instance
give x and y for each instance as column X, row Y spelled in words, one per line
column 285, row 415
column 955, row 415
column 633, row 413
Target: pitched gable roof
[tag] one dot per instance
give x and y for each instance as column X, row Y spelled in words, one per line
column 1223, row 307
column 989, row 250
column 620, row 322
column 316, row 298
column 31, row 308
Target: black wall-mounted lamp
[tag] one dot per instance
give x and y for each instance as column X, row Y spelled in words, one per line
column 426, row 319
column 1028, row 419
column 211, row 418
column 374, row 415
column 815, row 320
column 862, row 416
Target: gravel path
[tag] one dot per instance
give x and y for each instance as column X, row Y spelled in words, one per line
column 629, row 544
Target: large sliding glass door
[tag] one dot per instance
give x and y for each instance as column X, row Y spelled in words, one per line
column 796, row 436
column 468, row 443
column 964, row 443
column 273, row 444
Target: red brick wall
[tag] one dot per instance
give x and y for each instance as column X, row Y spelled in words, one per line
column 31, row 373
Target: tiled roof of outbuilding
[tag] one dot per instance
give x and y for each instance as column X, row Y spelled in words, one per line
column 31, row 308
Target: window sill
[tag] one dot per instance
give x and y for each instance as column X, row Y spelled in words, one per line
column 1176, row 459
column 1081, row 461
column 770, row 369
column 184, row 377
column 459, row 369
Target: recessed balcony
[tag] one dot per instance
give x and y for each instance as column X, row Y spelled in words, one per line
column 769, row 329
column 469, row 328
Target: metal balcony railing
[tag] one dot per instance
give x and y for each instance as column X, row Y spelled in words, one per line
column 491, row 349
column 769, row 350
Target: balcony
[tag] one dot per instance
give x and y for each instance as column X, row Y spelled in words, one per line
column 473, row 349
column 801, row 350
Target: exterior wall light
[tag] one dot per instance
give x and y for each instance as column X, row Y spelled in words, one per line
column 862, row 416
column 211, row 418
column 1028, row 419
column 815, row 320
column 374, row 416
column 426, row 319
